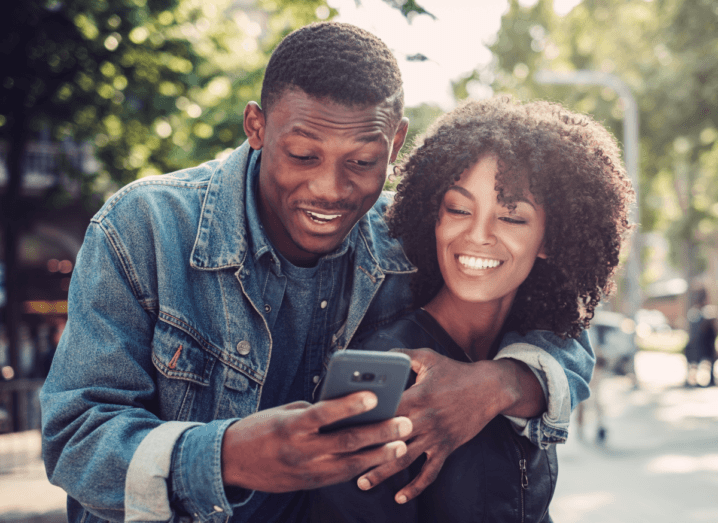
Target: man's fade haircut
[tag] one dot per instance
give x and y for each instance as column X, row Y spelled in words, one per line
column 335, row 61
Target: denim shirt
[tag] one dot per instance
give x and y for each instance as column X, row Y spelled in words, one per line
column 166, row 332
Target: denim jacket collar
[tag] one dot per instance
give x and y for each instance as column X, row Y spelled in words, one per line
column 222, row 239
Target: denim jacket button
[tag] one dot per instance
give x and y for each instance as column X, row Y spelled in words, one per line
column 243, row 347
column 217, row 508
column 267, row 308
column 323, row 304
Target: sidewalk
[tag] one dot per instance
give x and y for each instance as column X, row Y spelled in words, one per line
column 659, row 462
column 26, row 495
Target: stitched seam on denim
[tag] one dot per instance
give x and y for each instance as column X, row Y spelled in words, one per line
column 260, row 378
column 181, row 478
column 126, row 265
column 209, row 347
column 217, row 484
column 369, row 298
column 184, row 411
column 102, row 215
column 380, row 266
column 178, row 374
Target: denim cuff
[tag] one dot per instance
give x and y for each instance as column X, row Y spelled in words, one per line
column 146, row 496
column 552, row 426
column 197, row 474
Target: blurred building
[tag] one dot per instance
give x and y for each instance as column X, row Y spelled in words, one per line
column 52, row 231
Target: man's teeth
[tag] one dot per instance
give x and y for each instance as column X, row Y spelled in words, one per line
column 322, row 218
column 478, row 263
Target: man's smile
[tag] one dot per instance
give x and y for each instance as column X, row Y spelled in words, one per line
column 322, row 218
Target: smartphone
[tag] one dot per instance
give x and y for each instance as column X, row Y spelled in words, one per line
column 383, row 373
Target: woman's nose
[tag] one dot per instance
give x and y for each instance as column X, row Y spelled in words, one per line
column 482, row 230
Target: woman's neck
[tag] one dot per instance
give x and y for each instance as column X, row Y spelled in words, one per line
column 473, row 326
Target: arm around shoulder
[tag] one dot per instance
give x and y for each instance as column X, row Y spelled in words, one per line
column 563, row 367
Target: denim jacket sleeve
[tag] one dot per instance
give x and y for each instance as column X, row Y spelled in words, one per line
column 103, row 443
column 564, row 369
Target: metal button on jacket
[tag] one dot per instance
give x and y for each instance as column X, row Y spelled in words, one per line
column 243, row 347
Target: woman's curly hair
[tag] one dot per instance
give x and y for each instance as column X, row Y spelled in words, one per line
column 571, row 165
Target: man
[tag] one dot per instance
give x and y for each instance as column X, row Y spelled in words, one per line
column 206, row 303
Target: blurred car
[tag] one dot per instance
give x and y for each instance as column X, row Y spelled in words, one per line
column 612, row 336
column 649, row 321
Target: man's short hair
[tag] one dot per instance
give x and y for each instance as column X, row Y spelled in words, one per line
column 333, row 60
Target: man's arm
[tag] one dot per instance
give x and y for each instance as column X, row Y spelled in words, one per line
column 563, row 369
column 104, row 444
column 452, row 401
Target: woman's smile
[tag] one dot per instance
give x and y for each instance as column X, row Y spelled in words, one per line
column 472, row 262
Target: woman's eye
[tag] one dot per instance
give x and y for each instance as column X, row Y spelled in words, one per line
column 457, row 211
column 514, row 220
column 364, row 163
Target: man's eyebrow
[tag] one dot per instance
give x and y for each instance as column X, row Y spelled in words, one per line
column 301, row 131
column 306, row 133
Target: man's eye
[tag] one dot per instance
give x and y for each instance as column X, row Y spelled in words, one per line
column 302, row 158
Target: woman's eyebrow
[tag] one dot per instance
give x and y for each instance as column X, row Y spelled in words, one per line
column 461, row 190
column 469, row 195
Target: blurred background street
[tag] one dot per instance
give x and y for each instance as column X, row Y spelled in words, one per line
column 96, row 94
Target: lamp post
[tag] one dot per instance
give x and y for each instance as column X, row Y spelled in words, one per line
column 632, row 298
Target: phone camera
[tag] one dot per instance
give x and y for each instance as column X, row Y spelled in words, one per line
column 363, row 376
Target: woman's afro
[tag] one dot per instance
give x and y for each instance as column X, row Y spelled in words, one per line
column 572, row 167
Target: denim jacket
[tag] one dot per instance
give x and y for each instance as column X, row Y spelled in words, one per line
column 166, row 335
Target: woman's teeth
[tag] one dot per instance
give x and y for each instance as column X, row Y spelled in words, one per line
column 321, row 218
column 478, row 263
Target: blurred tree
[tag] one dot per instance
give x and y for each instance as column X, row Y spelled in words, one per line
column 153, row 85
column 666, row 51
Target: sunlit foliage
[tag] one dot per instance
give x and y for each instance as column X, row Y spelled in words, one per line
column 154, row 85
column 667, row 52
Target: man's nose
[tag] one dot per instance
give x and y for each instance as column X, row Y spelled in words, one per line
column 330, row 183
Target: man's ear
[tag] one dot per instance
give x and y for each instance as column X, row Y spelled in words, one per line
column 399, row 138
column 254, row 125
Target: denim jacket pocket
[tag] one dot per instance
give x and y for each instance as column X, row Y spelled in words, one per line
column 185, row 371
column 239, row 395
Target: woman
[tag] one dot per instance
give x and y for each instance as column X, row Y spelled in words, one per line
column 515, row 215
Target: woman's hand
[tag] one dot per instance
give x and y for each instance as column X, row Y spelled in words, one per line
column 448, row 405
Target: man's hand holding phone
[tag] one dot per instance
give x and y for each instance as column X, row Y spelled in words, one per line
column 282, row 449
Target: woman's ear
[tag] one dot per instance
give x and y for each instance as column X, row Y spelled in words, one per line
column 254, row 125
column 542, row 251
